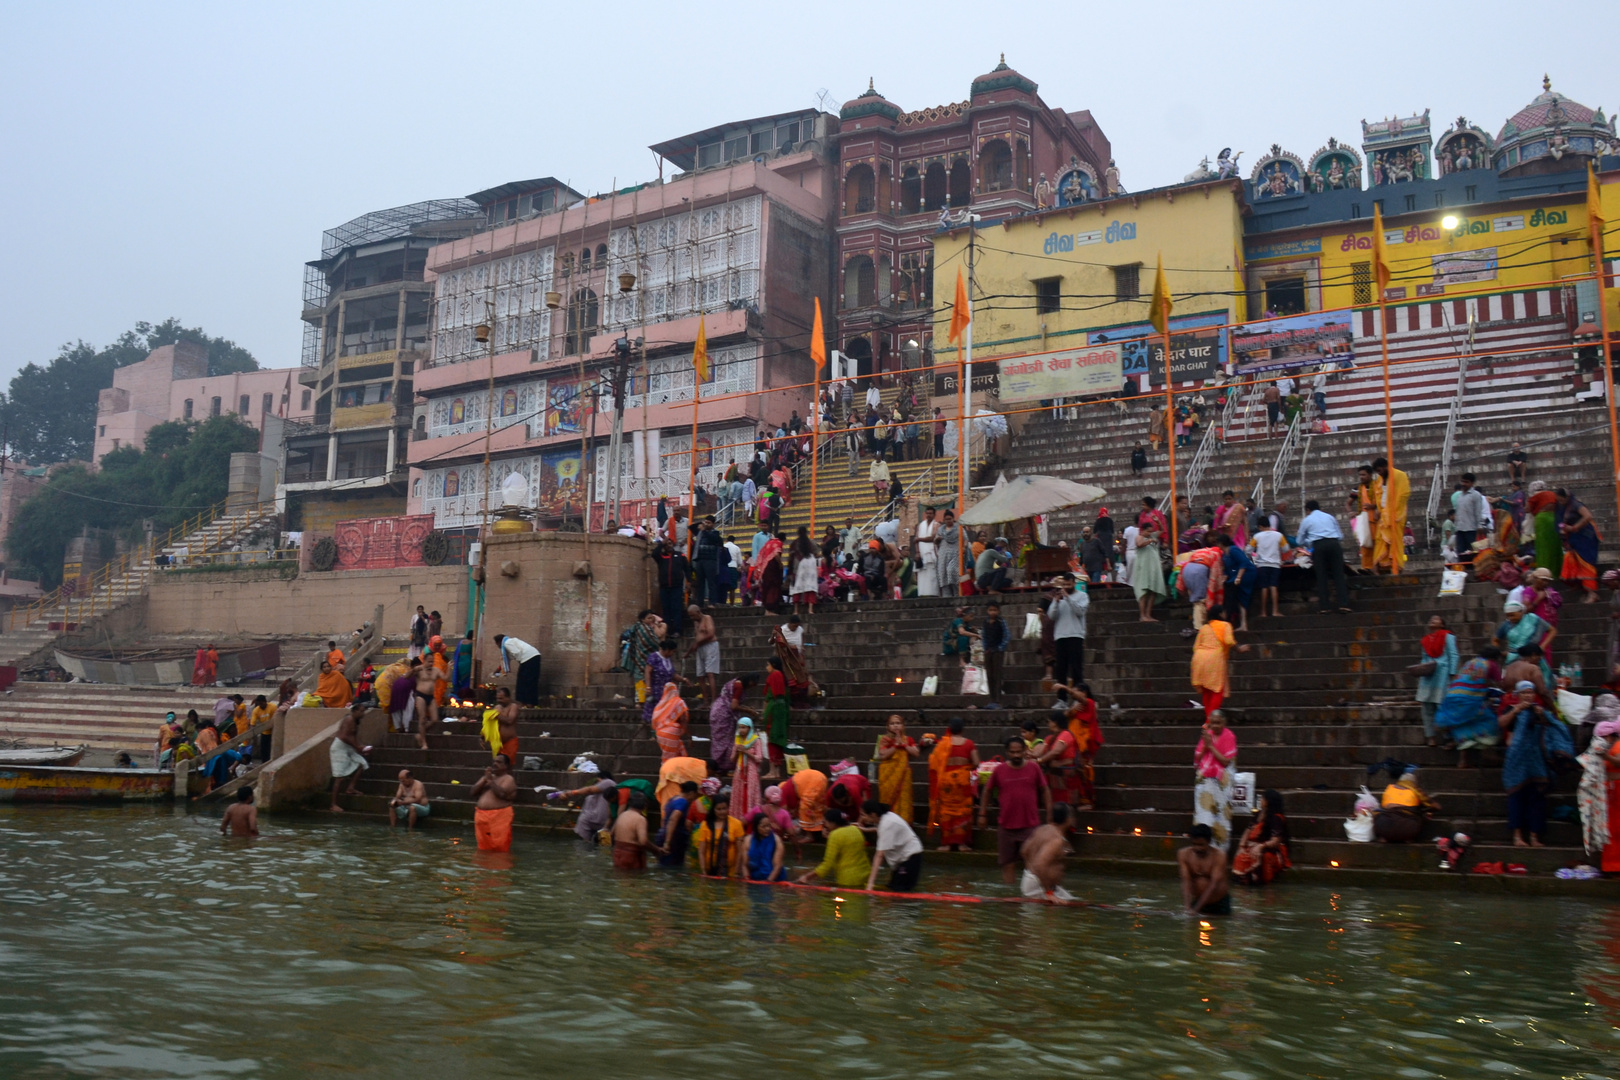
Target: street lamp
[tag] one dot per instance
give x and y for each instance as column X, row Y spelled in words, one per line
column 1448, row 222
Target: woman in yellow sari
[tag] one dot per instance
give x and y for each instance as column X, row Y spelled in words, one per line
column 950, row 788
column 894, row 754
column 333, row 689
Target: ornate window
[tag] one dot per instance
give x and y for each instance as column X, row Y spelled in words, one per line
column 859, row 196
column 860, row 283
column 995, row 166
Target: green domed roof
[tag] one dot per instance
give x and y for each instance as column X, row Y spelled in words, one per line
column 1002, row 78
column 870, row 103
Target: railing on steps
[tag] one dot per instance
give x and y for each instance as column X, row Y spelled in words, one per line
column 870, row 524
column 1298, row 439
column 1200, row 461
column 1442, row 465
column 83, row 597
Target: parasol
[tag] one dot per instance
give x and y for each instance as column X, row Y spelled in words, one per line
column 1027, row 496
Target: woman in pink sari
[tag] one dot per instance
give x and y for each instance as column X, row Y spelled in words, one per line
column 1232, row 519
column 753, row 748
column 669, row 722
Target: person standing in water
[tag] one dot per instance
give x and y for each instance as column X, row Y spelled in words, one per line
column 630, row 842
column 492, row 817
column 241, row 818
column 1044, row 855
column 1204, row 876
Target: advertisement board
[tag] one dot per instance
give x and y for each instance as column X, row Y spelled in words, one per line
column 1296, row 341
column 1065, row 373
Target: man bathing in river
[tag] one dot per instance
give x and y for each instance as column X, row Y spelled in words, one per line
column 506, row 711
column 630, row 843
column 410, row 801
column 492, row 817
column 1043, row 854
column 1203, row 875
column 347, row 756
column 241, row 817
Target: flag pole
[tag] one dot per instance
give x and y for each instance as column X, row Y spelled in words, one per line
column 1381, row 281
column 1594, row 224
column 964, row 376
column 1170, row 440
column 818, row 357
column 697, row 394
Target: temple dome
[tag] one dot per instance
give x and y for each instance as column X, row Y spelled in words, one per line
column 870, row 103
column 1002, row 77
column 1539, row 137
column 1541, row 112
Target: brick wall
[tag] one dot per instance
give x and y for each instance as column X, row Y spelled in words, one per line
column 312, row 603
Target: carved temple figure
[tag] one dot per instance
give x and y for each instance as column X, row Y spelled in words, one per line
column 1111, row 179
column 1558, row 146
column 1226, row 163
column 1335, row 174
column 1043, row 193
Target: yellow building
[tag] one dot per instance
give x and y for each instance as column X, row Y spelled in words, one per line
column 1080, row 278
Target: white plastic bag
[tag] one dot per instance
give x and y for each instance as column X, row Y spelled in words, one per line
column 1032, row 626
column 1574, row 708
column 1359, row 828
column 1367, row 801
column 1362, row 529
column 1452, row 582
column 1245, row 799
column 930, row 686
column 973, row 681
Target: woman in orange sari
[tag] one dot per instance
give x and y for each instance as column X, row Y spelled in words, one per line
column 669, row 722
column 1088, row 739
column 894, row 754
column 950, row 788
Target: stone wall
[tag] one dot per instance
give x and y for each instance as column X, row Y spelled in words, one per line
column 534, row 594
column 312, row 603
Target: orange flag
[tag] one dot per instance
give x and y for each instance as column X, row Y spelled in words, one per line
column 1159, row 310
column 700, row 353
column 818, row 340
column 961, row 310
column 1380, row 256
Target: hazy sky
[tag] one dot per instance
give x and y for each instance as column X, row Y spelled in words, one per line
column 182, row 159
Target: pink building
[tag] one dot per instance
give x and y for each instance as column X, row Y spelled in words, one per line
column 173, row 384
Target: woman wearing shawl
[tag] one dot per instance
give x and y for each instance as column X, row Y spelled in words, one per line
column 675, row 772
column 723, row 722
column 1542, row 508
column 894, row 754
column 1262, row 854
column 1598, row 794
column 333, row 688
column 769, row 569
column 777, row 711
column 752, row 750
column 1520, row 628
column 669, row 722
column 1232, row 519
column 1147, row 571
column 1203, row 579
column 1538, row 739
column 644, row 641
column 1060, row 757
column 207, row 740
column 1580, row 546
column 1213, row 758
column 951, row 766
column 660, row 673
column 1465, row 715
column 461, row 667
column 1438, row 652
column 805, row 580
column 1210, row 663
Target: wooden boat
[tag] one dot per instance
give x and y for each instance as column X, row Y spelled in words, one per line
column 42, row 755
column 59, row 783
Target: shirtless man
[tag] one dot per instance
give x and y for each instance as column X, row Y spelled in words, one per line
column 347, row 756
column 1203, row 875
column 1043, row 854
column 630, row 841
column 427, row 708
column 492, row 817
column 410, row 801
column 507, row 716
column 241, row 817
column 706, row 644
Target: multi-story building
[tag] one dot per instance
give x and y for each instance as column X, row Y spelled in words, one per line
column 533, row 316
column 1000, row 153
column 173, row 383
column 366, row 315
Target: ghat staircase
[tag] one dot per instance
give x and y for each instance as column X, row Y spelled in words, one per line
column 27, row 630
column 102, row 717
column 1316, row 701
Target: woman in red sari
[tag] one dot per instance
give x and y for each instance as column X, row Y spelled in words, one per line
column 950, row 788
column 1088, row 739
column 1262, row 854
column 1061, row 760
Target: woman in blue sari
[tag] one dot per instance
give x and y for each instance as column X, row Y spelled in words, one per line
column 1466, row 714
column 1580, row 545
column 1539, row 738
column 461, row 668
column 1520, row 628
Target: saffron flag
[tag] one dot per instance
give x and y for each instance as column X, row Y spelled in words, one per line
column 1594, row 199
column 1159, row 310
column 818, row 340
column 961, row 311
column 1380, row 256
column 700, row 353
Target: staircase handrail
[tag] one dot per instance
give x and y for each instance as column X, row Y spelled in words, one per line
column 1442, row 466
column 870, row 525
column 1200, row 461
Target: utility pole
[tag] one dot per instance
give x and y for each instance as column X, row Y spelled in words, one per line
column 623, row 353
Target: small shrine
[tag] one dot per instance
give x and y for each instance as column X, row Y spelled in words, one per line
column 1335, row 167
column 1464, row 146
column 1278, row 174
column 1398, row 149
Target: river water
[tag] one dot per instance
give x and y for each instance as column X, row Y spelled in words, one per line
column 139, row 944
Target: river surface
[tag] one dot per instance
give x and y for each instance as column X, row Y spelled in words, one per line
column 139, row 944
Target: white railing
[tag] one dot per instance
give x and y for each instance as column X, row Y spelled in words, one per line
column 1298, row 436
column 1442, row 466
column 1200, row 461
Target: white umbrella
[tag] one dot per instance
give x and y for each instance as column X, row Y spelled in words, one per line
column 1027, row 496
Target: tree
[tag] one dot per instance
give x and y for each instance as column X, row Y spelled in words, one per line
column 50, row 411
column 184, row 469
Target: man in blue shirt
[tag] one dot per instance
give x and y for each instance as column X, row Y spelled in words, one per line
column 1320, row 532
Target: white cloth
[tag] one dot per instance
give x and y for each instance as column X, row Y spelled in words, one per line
column 804, row 577
column 793, row 637
column 1030, row 886
column 888, row 532
column 1267, row 548
column 516, row 651
column 345, row 759
column 896, row 841
column 1131, row 533
column 874, row 396
column 736, row 555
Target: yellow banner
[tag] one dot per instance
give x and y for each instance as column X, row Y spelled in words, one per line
column 359, row 416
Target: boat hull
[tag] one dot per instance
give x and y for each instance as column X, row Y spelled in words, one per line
column 74, row 784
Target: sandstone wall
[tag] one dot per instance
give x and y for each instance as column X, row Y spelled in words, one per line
column 326, row 604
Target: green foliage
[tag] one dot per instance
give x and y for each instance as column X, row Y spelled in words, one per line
column 184, row 470
column 50, row 410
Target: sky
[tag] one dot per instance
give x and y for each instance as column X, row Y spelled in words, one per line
column 182, row 159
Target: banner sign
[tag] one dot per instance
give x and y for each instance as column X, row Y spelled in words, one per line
column 1194, row 357
column 1063, row 374
column 1317, row 338
column 985, row 380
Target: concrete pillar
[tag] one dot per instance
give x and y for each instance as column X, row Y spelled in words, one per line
column 393, row 443
column 331, row 456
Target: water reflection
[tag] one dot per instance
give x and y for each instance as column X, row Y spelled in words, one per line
column 139, row 944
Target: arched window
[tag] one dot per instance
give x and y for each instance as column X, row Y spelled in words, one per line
column 601, row 254
column 858, row 355
column 961, row 183
column 585, row 259
column 244, row 406
column 214, row 407
column 910, row 191
column 267, row 404
column 934, row 187
column 565, row 265
column 995, row 166
column 188, row 407
column 858, row 196
column 582, row 313
column 860, row 285
column 883, row 281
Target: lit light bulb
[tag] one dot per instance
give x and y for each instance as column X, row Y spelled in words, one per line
column 1449, row 221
